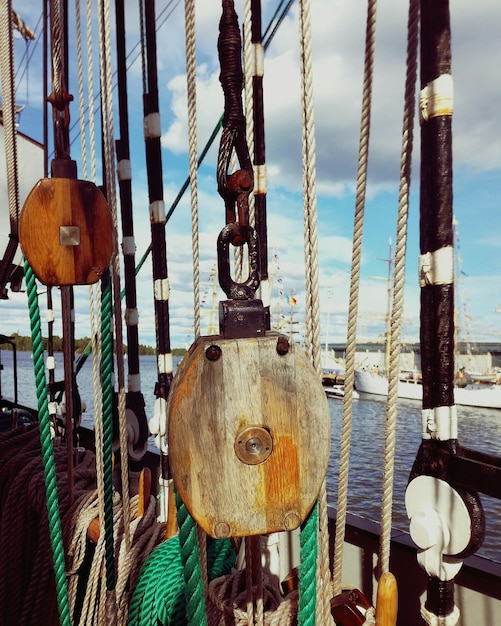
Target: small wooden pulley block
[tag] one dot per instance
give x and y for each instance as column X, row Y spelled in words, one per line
column 249, row 434
column 66, row 231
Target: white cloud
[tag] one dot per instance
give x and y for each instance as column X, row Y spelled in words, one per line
column 338, row 29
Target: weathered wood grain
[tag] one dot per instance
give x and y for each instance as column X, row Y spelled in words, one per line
column 64, row 202
column 212, row 402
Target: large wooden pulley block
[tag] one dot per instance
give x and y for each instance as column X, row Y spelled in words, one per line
column 66, row 231
column 249, row 434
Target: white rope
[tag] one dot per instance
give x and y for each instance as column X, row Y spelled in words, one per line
column 398, row 289
column 90, row 92
column 191, row 93
column 81, row 100
column 312, row 338
column 8, row 112
column 354, row 292
column 146, row 534
column 227, row 603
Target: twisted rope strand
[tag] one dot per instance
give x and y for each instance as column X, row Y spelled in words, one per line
column 354, row 291
column 47, row 449
column 398, row 289
column 191, row 93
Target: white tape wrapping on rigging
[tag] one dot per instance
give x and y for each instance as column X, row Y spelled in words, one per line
column 437, row 98
column 258, row 59
column 165, row 363
column 128, row 245
column 134, row 382
column 124, row 170
column 157, row 212
column 259, row 178
column 440, row 423
column 161, row 289
column 152, row 128
column 131, row 317
column 437, row 268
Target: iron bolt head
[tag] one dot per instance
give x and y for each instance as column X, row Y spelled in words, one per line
column 213, row 353
column 282, row 346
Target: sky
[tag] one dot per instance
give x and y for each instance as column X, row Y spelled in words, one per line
column 338, row 29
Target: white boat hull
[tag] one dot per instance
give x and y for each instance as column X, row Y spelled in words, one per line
column 485, row 396
column 337, row 391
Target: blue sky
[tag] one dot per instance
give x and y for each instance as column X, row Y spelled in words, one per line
column 338, row 29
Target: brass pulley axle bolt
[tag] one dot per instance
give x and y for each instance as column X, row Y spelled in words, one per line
column 253, row 445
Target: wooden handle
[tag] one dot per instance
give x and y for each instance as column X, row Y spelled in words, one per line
column 387, row 600
column 171, row 528
column 94, row 530
column 144, row 490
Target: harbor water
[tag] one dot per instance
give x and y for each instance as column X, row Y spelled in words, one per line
column 478, row 429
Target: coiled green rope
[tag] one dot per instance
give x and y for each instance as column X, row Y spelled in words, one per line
column 56, row 537
column 160, row 595
column 192, row 568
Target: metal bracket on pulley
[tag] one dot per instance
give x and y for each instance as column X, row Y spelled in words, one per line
column 242, row 315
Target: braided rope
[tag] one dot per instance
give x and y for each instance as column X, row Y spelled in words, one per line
column 81, row 100
column 307, row 610
column 228, row 597
column 158, row 596
column 47, row 449
column 192, row 571
column 57, row 20
column 249, row 94
column 107, row 418
column 398, row 289
column 146, row 535
column 192, row 149
column 312, row 339
column 27, row 585
column 90, row 91
column 354, row 289
column 8, row 111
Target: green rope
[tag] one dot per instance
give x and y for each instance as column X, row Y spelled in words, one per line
column 107, row 408
column 190, row 557
column 308, row 570
column 53, row 516
column 159, row 594
column 159, row 588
